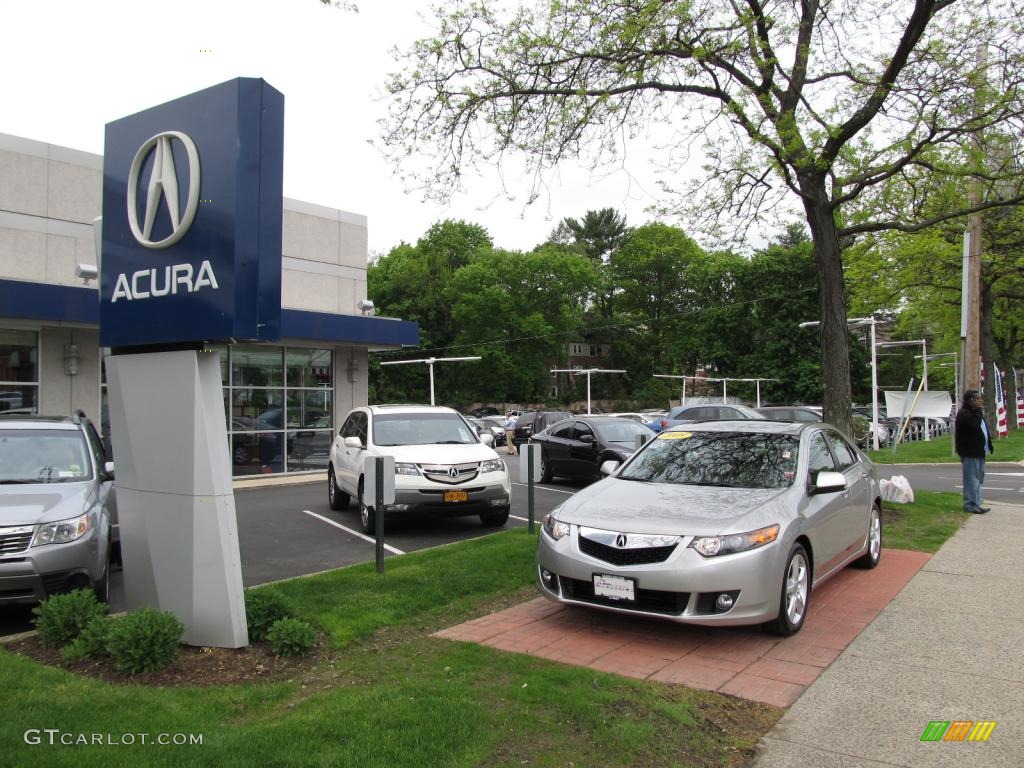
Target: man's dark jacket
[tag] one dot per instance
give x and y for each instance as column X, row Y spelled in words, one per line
column 970, row 439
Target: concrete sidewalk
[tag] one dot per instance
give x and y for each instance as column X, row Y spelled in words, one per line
column 949, row 647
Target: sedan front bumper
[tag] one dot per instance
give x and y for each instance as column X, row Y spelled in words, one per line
column 684, row 587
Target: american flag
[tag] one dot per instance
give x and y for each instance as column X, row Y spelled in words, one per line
column 1001, row 428
column 1020, row 398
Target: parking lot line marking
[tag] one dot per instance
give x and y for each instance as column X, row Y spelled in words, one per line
column 357, row 534
column 545, row 488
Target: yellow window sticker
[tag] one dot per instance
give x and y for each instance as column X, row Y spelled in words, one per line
column 675, row 435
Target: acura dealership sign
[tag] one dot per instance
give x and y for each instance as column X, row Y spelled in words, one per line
column 191, row 247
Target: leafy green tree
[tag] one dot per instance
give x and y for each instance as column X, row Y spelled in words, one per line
column 517, row 311
column 829, row 105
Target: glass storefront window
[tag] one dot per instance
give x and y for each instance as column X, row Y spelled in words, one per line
column 19, row 370
column 280, row 407
column 309, row 367
column 253, row 366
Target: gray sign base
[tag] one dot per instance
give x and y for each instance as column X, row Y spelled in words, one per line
column 176, row 504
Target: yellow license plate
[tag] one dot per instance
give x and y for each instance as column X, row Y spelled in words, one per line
column 456, row 496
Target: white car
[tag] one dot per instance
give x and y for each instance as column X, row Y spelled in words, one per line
column 442, row 467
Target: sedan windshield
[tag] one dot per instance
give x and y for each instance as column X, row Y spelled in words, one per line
column 42, row 456
column 421, row 429
column 727, row 459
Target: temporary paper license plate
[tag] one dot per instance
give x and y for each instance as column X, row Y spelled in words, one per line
column 456, row 495
column 614, row 587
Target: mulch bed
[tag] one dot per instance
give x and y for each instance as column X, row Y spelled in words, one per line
column 192, row 667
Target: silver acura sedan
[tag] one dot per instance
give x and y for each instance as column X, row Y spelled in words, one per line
column 717, row 523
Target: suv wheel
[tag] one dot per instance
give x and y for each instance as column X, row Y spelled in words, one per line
column 102, row 585
column 495, row 519
column 336, row 497
column 367, row 517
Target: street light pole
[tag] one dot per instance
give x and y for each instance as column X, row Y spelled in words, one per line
column 587, row 371
column 430, row 364
column 857, row 322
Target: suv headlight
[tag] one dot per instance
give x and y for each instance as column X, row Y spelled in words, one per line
column 62, row 531
column 492, row 465
column 403, row 468
column 712, row 546
column 555, row 528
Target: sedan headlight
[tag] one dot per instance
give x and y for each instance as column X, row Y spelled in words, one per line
column 555, row 528
column 62, row 531
column 402, row 468
column 712, row 546
column 492, row 465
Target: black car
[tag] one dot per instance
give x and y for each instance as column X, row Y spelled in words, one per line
column 532, row 422
column 577, row 447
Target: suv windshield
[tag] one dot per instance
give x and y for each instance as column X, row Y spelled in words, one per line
column 42, row 456
column 421, row 429
column 728, row 459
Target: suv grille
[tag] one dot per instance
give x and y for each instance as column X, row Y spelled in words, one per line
column 617, row 556
column 450, row 474
column 15, row 539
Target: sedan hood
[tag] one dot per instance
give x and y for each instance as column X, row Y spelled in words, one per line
column 31, row 504
column 681, row 510
column 440, row 454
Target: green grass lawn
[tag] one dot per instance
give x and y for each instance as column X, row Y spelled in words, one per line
column 388, row 694
column 940, row 450
column 924, row 525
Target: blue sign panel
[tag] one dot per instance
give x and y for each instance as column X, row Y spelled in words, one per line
column 192, row 219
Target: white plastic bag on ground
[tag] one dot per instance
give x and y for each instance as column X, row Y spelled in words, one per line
column 897, row 490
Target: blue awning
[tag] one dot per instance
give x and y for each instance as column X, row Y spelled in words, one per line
column 43, row 302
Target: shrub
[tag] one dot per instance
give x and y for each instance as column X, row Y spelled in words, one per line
column 144, row 641
column 291, row 637
column 92, row 642
column 61, row 618
column 262, row 608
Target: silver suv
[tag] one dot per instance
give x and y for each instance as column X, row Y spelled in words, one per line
column 57, row 508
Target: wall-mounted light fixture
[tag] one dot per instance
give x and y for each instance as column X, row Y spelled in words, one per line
column 71, row 359
column 365, row 306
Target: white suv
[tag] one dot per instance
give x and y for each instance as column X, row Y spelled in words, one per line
column 441, row 465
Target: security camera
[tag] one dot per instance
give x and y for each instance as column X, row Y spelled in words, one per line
column 365, row 306
column 87, row 272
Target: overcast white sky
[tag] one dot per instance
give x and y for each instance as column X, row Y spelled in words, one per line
column 69, row 67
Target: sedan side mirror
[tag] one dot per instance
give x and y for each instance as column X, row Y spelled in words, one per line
column 487, row 439
column 108, row 470
column 353, row 442
column 829, row 482
column 609, row 467
column 588, row 439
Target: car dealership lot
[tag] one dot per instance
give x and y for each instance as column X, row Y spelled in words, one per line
column 283, row 529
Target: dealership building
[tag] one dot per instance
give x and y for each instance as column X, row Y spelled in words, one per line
column 283, row 401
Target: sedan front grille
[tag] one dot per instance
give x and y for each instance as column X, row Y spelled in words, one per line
column 15, row 539
column 617, row 556
column 647, row 600
column 450, row 474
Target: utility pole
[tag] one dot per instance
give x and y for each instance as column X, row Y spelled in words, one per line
column 970, row 320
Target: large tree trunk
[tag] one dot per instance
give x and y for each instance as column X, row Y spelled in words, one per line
column 835, row 355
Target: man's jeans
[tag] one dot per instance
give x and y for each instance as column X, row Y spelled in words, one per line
column 974, row 476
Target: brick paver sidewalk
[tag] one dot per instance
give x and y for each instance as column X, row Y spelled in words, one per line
column 740, row 661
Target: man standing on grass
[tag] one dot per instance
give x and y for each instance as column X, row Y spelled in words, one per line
column 973, row 444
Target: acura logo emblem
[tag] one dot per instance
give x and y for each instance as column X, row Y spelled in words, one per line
column 453, row 472
column 620, row 540
column 163, row 184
